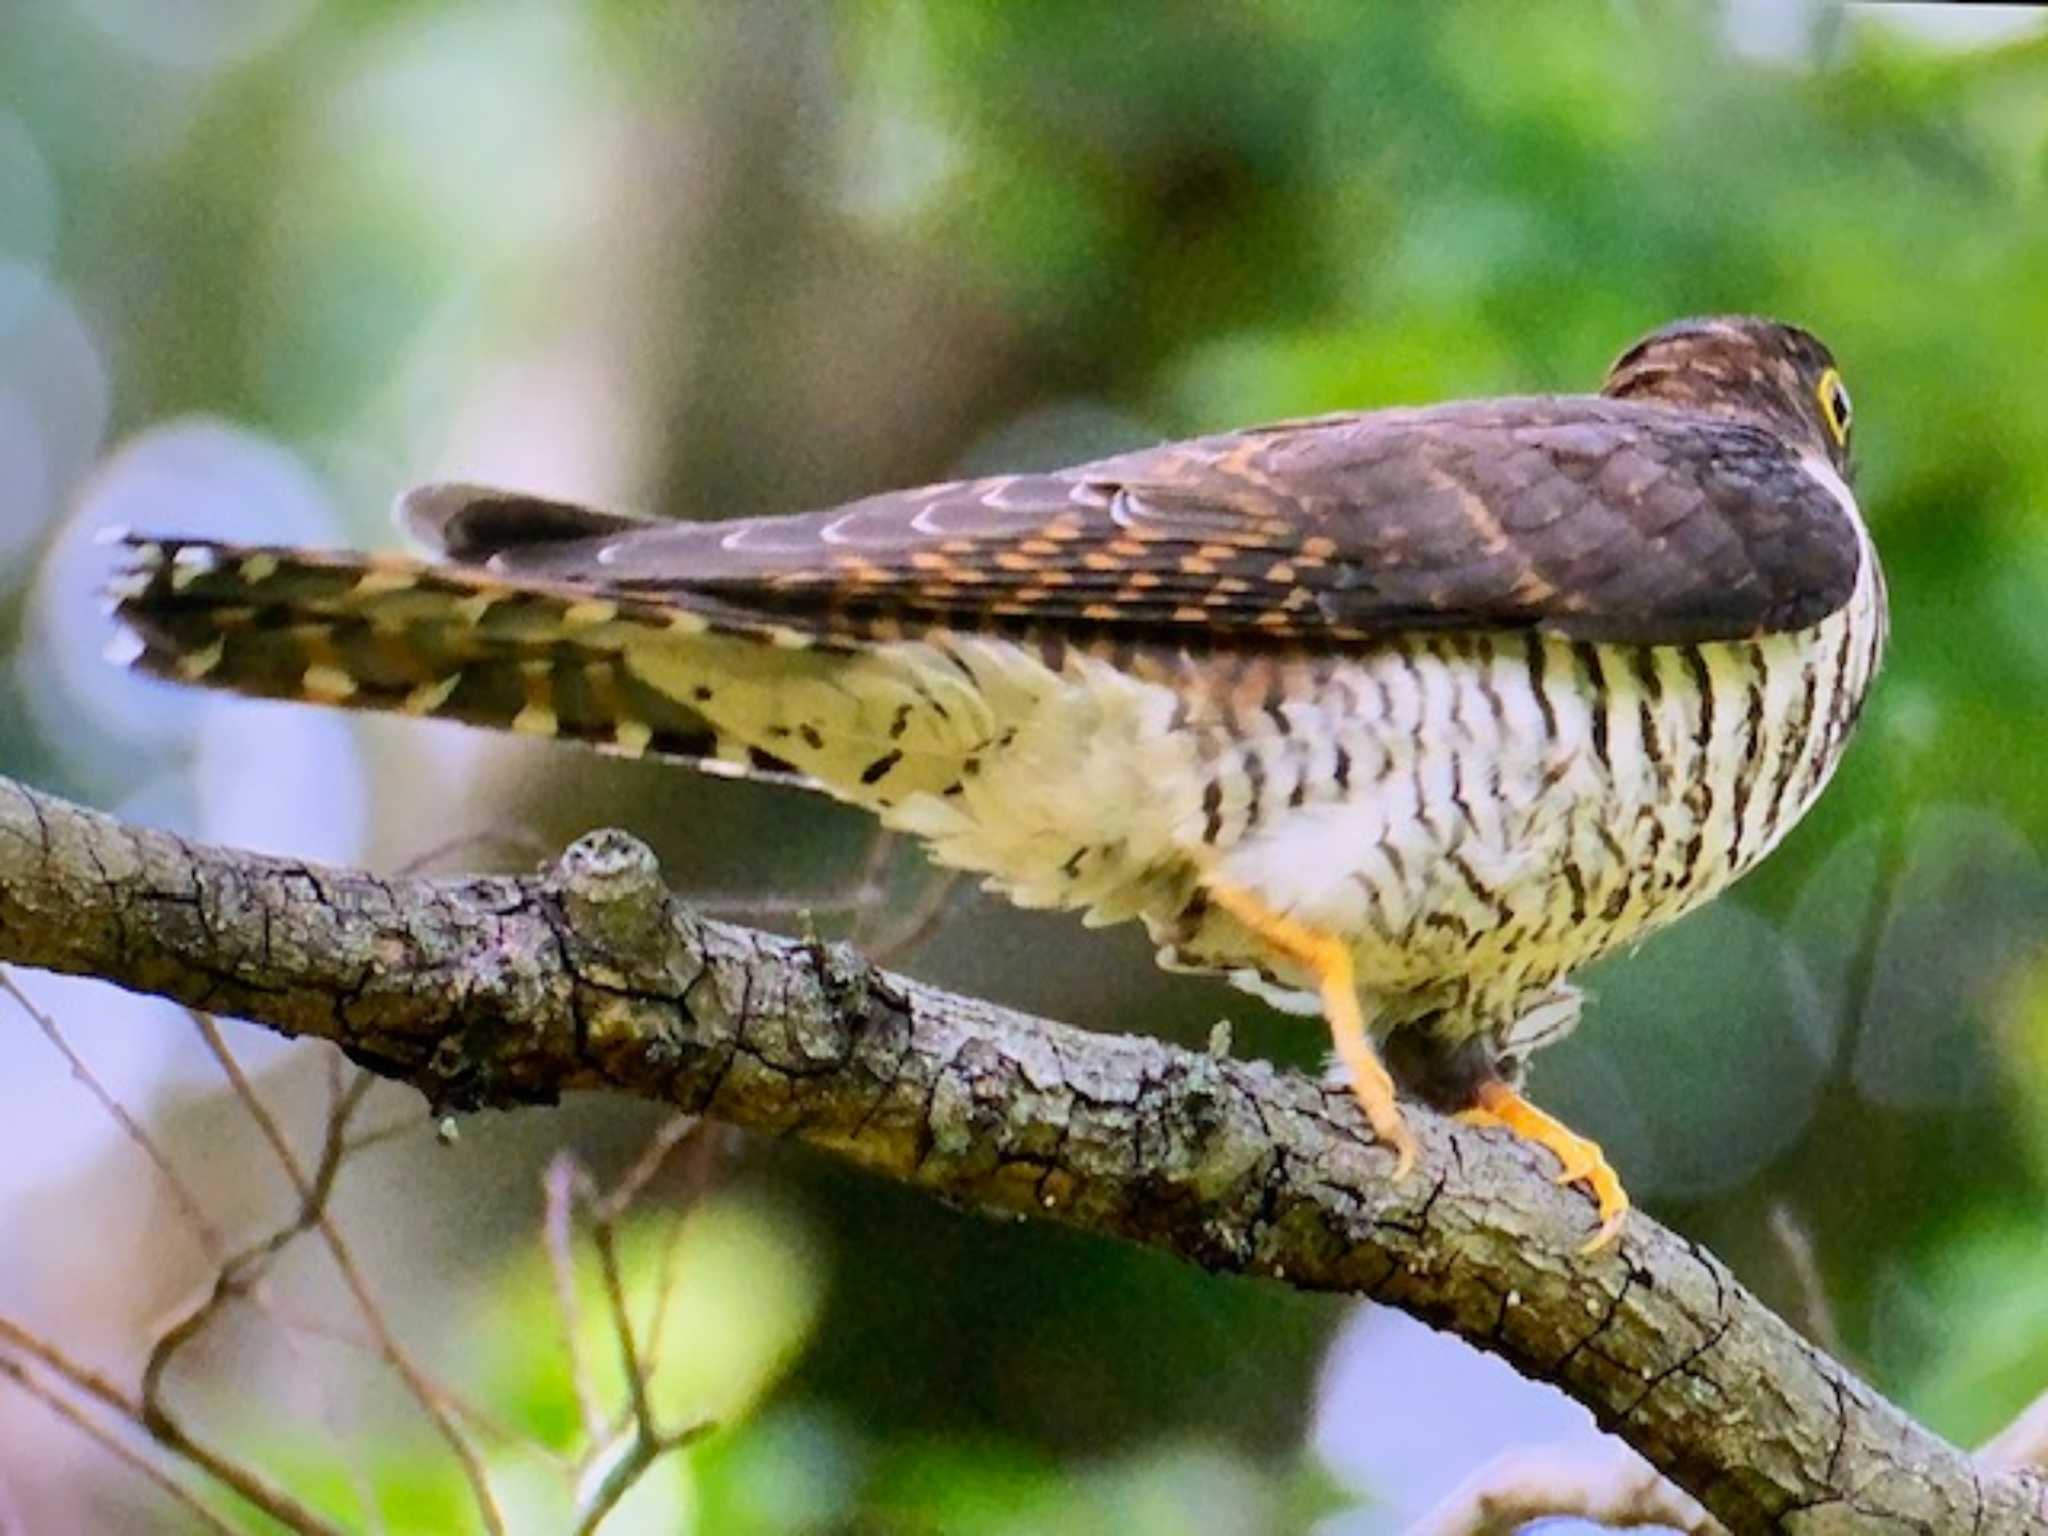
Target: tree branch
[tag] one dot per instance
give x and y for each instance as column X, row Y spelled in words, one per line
column 501, row 991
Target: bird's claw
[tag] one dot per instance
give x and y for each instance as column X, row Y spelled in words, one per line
column 1580, row 1160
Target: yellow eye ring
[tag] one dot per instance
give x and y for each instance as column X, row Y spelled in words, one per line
column 1833, row 395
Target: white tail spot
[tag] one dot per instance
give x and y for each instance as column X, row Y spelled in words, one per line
column 537, row 717
column 328, row 684
column 471, row 610
column 194, row 665
column 535, row 720
column 125, row 648
column 428, row 697
column 381, row 583
column 126, row 587
column 190, row 563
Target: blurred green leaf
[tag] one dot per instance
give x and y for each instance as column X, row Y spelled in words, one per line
column 744, row 1289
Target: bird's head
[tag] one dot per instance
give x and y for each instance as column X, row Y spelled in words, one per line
column 1744, row 366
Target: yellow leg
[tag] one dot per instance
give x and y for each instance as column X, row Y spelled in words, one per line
column 1584, row 1162
column 1328, row 959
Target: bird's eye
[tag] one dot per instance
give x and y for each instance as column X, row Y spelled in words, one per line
column 1834, row 406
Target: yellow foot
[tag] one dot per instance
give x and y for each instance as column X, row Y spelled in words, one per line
column 1583, row 1161
column 1328, row 958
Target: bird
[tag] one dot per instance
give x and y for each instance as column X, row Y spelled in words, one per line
column 1398, row 716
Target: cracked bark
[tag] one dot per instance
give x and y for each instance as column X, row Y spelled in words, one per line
column 502, row 991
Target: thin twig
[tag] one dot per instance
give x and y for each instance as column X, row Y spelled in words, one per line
column 115, row 1447
column 604, row 1237
column 508, row 839
column 1796, row 1240
column 238, row 1274
column 850, row 898
column 702, row 1151
column 658, row 1308
column 1602, row 1481
column 251, row 1485
column 606, row 1212
column 234, row 1277
column 252, row 1101
column 638, row 1442
column 561, row 1183
column 669, row 1135
column 869, row 896
column 94, row 1385
column 363, row 1141
column 640, row 1453
column 874, row 879
column 930, row 912
column 314, row 1206
column 331, row 1063
column 210, row 1241
column 858, row 895
column 477, row 1415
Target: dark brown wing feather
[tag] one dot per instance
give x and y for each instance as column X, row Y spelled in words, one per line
column 1584, row 517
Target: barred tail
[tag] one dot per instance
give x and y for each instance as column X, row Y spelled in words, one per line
column 409, row 637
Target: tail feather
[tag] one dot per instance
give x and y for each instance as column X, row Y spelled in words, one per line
column 1014, row 755
column 405, row 636
column 879, row 722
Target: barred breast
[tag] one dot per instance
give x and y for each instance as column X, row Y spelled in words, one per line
column 1483, row 814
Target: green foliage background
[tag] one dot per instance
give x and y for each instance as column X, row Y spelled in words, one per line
column 821, row 250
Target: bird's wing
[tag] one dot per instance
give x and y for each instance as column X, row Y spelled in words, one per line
column 1583, row 517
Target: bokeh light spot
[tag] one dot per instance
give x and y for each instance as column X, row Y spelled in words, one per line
column 195, row 476
column 53, row 408
column 1720, row 1078
column 196, row 35
column 1967, row 911
column 28, row 197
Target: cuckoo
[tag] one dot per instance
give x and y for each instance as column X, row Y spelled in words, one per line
column 1398, row 716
